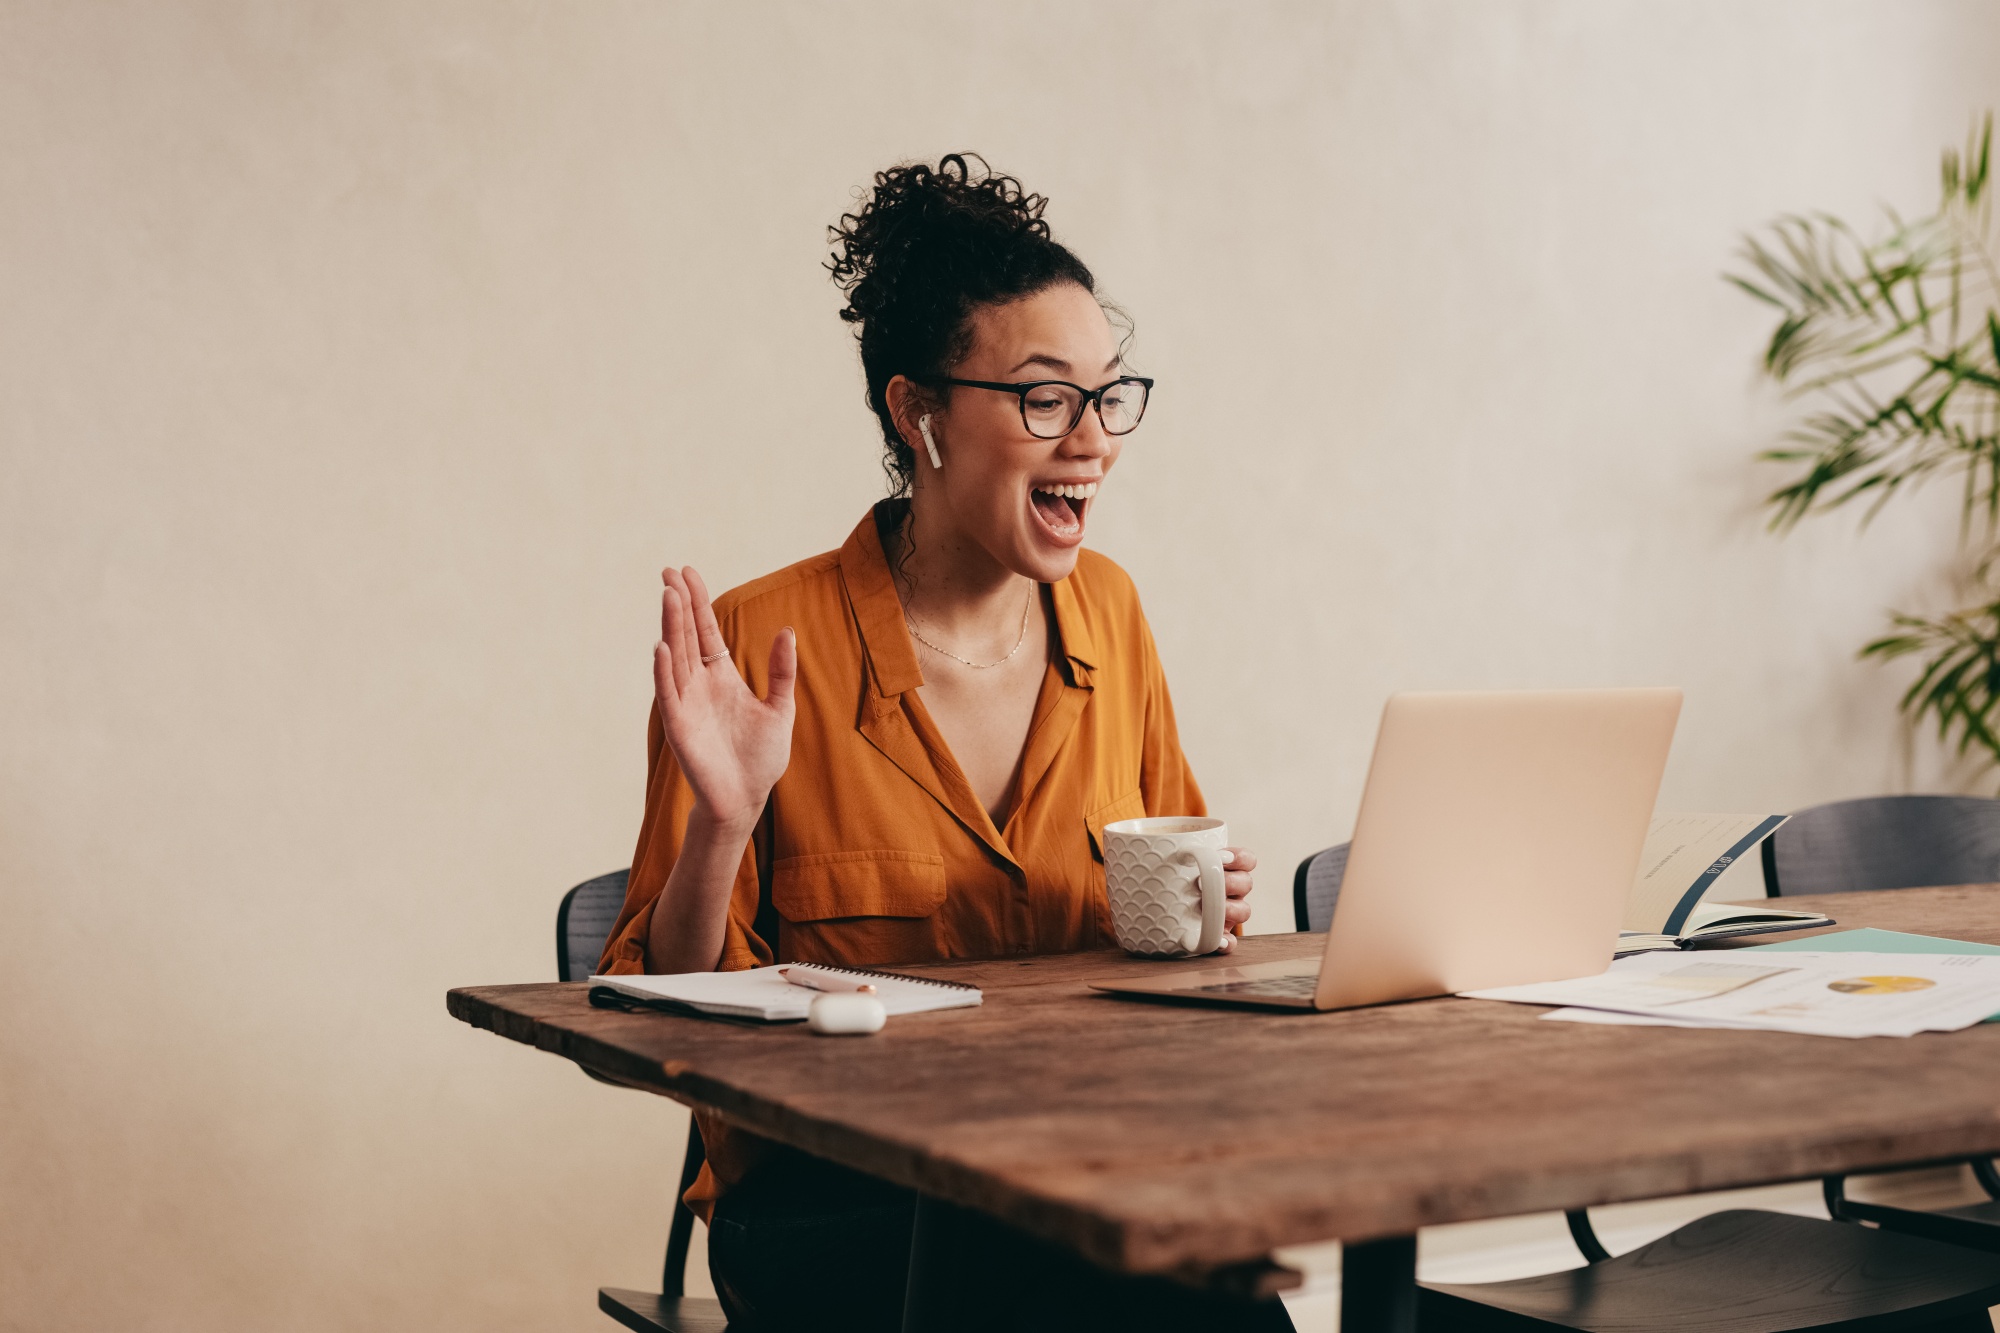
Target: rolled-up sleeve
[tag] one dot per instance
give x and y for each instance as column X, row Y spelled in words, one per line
column 668, row 801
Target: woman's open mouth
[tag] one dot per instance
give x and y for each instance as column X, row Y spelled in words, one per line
column 1060, row 508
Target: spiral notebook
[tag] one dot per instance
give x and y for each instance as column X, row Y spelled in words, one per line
column 763, row 995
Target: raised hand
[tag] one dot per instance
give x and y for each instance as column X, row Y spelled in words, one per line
column 732, row 746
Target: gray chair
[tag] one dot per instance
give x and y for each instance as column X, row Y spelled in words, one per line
column 583, row 923
column 1885, row 842
column 1895, row 842
column 1316, row 887
column 1740, row 1271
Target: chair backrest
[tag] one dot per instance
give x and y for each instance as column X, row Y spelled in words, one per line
column 1316, row 887
column 584, row 922
column 1885, row 842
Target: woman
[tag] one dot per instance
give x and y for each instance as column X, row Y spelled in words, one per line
column 907, row 749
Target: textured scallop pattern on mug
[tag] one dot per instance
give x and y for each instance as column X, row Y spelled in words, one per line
column 1155, row 893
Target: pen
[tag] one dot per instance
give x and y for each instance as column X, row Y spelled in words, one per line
column 820, row 981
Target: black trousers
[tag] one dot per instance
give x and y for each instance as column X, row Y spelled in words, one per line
column 804, row 1244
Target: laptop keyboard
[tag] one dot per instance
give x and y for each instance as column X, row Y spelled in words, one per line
column 1299, row 987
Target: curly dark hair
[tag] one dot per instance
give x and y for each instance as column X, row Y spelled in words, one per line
column 928, row 246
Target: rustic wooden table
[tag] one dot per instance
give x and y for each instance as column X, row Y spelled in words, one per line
column 1162, row 1138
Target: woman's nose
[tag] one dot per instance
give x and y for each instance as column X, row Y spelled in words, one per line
column 1088, row 440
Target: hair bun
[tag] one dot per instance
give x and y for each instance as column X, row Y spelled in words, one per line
column 921, row 219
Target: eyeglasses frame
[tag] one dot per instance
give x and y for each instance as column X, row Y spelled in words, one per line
column 1090, row 398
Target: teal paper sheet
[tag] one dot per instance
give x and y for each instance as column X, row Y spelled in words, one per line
column 1869, row 940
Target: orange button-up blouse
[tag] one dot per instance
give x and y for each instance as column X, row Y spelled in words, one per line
column 873, row 848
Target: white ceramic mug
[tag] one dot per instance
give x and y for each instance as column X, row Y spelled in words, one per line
column 1164, row 878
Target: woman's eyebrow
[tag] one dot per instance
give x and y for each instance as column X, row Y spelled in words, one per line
column 1055, row 363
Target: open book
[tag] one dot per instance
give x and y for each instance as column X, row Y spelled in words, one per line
column 763, row 995
column 1684, row 855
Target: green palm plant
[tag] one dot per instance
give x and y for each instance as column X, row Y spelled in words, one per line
column 1896, row 344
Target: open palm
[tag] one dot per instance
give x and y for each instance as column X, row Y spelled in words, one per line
column 732, row 746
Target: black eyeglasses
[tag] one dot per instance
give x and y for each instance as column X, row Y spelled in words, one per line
column 1050, row 409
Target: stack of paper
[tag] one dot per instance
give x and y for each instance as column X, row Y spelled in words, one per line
column 1829, row 994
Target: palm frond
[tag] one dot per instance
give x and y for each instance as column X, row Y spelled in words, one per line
column 1959, row 686
column 1870, row 332
column 1896, row 345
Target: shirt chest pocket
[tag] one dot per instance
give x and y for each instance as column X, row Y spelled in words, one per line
column 831, row 886
column 1132, row 805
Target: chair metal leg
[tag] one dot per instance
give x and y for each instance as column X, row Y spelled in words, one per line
column 1587, row 1244
column 1989, row 1178
column 1947, row 1227
column 1378, row 1286
column 680, row 1232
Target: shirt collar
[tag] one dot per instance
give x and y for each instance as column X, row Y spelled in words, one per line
column 878, row 611
column 1077, row 645
column 885, row 635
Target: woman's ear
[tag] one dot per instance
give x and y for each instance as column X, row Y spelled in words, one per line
column 910, row 410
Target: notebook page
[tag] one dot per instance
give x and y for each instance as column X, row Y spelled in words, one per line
column 755, row 992
column 763, row 992
column 1682, row 855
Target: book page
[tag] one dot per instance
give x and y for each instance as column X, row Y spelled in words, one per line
column 1743, row 882
column 1684, row 854
column 1713, row 914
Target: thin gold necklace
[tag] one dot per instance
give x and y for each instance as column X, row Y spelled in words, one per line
column 1026, row 607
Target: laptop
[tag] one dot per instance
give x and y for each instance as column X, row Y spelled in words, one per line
column 1497, row 840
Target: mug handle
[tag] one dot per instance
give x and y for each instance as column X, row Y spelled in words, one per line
column 1213, row 897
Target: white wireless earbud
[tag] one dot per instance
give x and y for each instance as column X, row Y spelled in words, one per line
column 924, row 429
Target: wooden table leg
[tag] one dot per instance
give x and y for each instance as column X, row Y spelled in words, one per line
column 944, row 1289
column 1378, row 1286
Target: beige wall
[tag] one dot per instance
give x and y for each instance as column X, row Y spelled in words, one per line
column 360, row 364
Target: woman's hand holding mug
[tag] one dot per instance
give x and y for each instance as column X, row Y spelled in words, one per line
column 1237, row 883
column 1176, row 889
